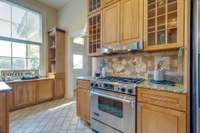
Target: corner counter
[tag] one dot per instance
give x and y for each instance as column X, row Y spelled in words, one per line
column 4, row 109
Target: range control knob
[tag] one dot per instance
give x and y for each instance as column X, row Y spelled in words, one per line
column 130, row 91
column 123, row 90
column 91, row 84
column 96, row 85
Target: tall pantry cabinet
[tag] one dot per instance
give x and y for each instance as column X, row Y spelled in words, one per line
column 56, row 59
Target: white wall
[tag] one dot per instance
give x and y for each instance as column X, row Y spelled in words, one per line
column 50, row 20
column 73, row 18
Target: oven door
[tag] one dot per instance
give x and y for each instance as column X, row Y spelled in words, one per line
column 113, row 110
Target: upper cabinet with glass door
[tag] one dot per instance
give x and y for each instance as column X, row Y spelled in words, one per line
column 164, row 24
column 94, row 6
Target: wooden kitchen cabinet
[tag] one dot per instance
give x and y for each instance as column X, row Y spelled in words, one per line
column 11, row 98
column 95, row 33
column 4, row 113
column 29, row 93
column 83, row 100
column 24, row 94
column 94, row 5
column 161, row 112
column 111, row 25
column 45, row 90
column 59, row 91
column 163, row 24
column 109, row 2
column 131, row 21
column 156, row 119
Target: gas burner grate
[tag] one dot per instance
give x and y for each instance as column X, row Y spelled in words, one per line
column 122, row 79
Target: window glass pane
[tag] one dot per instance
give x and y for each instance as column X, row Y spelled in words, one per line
column 34, row 27
column 5, row 48
column 77, row 61
column 19, row 50
column 5, row 12
column 5, row 28
column 33, row 51
column 19, row 16
column 19, row 63
column 78, row 40
column 26, row 24
column 5, row 63
column 33, row 64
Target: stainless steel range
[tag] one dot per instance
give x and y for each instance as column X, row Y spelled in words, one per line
column 114, row 105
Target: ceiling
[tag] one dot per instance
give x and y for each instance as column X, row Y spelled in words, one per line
column 54, row 3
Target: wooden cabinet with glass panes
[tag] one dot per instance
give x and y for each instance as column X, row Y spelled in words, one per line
column 95, row 33
column 163, row 24
column 94, row 6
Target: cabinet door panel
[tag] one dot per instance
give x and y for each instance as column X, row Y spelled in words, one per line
column 83, row 104
column 30, row 93
column 131, row 20
column 87, row 106
column 111, row 19
column 79, row 102
column 155, row 119
column 59, row 87
column 24, row 94
column 19, row 95
column 45, row 90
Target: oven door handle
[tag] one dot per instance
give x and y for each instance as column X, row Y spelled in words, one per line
column 112, row 97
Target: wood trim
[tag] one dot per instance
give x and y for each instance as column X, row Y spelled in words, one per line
column 180, row 22
column 111, row 2
column 186, row 66
column 171, row 46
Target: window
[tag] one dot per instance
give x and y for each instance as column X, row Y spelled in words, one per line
column 20, row 37
column 77, row 61
column 78, row 40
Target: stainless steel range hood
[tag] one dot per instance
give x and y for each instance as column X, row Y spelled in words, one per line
column 137, row 46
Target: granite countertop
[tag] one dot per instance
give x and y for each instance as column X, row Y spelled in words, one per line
column 178, row 88
column 85, row 78
column 4, row 87
column 31, row 80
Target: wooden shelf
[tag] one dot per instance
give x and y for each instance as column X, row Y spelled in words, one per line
column 56, row 46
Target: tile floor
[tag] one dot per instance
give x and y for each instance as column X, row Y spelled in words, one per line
column 52, row 117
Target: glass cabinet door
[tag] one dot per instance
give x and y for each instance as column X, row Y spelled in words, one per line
column 95, row 33
column 94, row 5
column 163, row 17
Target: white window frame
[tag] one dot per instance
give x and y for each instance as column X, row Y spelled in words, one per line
column 26, row 42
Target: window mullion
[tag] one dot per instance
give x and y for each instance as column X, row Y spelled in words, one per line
column 26, row 56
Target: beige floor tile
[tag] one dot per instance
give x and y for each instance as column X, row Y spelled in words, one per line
column 52, row 117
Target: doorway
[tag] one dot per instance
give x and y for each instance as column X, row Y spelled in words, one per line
column 80, row 62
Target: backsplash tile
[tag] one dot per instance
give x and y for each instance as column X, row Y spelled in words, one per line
column 142, row 65
column 7, row 75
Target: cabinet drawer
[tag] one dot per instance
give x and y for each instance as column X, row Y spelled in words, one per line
column 85, row 84
column 163, row 99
